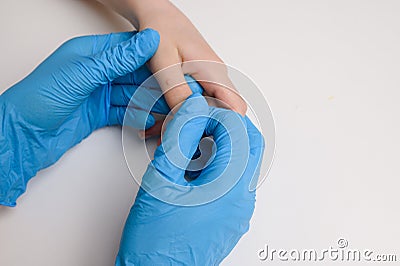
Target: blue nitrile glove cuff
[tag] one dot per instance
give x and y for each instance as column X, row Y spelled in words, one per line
column 14, row 147
column 6, row 159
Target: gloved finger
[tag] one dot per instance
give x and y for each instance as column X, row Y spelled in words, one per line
column 93, row 44
column 180, row 142
column 194, row 85
column 134, row 78
column 139, row 97
column 106, row 41
column 119, row 115
column 121, row 94
column 229, row 132
column 117, row 61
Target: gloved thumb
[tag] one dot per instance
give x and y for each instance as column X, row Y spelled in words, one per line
column 181, row 138
column 165, row 174
column 117, row 61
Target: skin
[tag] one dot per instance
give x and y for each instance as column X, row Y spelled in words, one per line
column 180, row 42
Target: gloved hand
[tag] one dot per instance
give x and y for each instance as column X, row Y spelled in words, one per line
column 176, row 222
column 84, row 85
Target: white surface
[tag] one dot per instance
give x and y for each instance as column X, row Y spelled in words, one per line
column 330, row 71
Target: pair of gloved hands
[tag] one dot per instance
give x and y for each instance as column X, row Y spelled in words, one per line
column 87, row 84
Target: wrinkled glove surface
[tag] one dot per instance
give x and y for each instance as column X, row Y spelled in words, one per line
column 84, row 85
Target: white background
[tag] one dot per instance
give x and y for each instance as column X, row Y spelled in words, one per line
column 330, row 71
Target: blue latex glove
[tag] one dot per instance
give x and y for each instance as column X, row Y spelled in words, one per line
column 84, row 85
column 161, row 233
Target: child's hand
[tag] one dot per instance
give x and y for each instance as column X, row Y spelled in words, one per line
column 180, row 42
